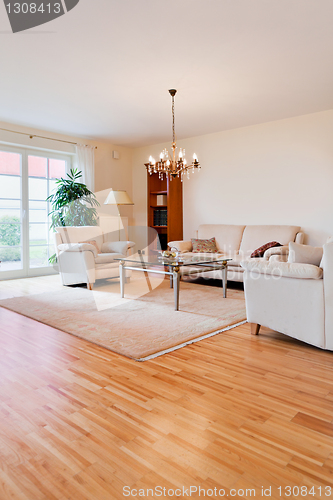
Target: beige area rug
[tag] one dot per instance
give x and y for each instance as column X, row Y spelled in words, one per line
column 142, row 325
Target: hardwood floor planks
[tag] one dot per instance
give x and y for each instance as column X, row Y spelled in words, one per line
column 233, row 411
column 313, row 423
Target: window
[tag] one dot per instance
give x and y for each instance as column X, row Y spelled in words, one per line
column 27, row 178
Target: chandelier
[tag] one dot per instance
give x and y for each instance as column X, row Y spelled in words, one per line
column 170, row 166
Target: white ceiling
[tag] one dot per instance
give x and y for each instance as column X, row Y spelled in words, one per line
column 102, row 71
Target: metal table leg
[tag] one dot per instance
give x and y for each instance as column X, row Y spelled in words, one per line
column 225, row 277
column 145, row 272
column 176, row 281
column 122, row 279
column 171, row 277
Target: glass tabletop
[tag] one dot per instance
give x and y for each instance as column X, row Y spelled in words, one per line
column 181, row 260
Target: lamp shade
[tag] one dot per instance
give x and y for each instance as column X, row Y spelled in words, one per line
column 118, row 198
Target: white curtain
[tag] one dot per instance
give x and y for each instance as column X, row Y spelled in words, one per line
column 86, row 163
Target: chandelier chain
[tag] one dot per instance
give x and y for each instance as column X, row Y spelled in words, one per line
column 173, row 120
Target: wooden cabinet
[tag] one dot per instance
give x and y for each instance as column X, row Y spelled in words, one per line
column 166, row 219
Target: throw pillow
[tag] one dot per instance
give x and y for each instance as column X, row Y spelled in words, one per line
column 304, row 254
column 206, row 246
column 259, row 252
column 92, row 242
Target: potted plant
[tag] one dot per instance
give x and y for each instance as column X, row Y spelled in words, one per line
column 73, row 204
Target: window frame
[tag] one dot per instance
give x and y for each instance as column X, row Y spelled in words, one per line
column 27, row 271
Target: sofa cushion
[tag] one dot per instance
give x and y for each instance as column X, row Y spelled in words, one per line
column 200, row 255
column 107, row 258
column 206, row 246
column 305, row 254
column 256, row 236
column 237, row 259
column 102, row 270
column 228, row 237
column 259, row 252
column 116, row 246
column 181, row 246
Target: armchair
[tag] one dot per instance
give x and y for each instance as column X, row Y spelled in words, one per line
column 84, row 255
column 294, row 298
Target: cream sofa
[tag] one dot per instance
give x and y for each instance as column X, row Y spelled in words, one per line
column 292, row 298
column 81, row 262
column 238, row 242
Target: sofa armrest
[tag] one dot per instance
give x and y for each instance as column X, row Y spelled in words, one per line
column 327, row 265
column 299, row 238
column 284, row 250
column 182, row 246
column 77, row 247
column 279, row 269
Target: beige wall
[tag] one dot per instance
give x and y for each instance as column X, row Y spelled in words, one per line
column 274, row 173
column 109, row 173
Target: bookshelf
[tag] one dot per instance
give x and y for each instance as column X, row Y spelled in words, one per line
column 165, row 208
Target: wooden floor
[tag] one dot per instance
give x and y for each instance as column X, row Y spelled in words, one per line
column 233, row 412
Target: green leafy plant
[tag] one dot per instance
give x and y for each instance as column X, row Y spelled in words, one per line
column 73, row 204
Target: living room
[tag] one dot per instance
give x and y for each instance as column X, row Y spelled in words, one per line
column 232, row 414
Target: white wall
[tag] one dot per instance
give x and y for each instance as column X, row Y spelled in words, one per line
column 275, row 173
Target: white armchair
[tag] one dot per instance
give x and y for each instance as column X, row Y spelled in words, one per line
column 84, row 255
column 294, row 298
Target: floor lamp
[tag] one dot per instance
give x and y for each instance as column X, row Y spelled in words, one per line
column 118, row 198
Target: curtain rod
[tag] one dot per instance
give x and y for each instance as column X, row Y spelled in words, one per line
column 41, row 137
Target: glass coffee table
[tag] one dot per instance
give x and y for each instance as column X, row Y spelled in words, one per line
column 175, row 267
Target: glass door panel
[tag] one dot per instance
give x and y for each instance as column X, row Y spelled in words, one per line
column 39, row 256
column 38, row 211
column 37, row 189
column 10, row 212
column 43, row 172
column 57, row 168
column 26, row 180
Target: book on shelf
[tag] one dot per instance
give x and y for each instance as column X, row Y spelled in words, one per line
column 161, row 199
column 160, row 217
